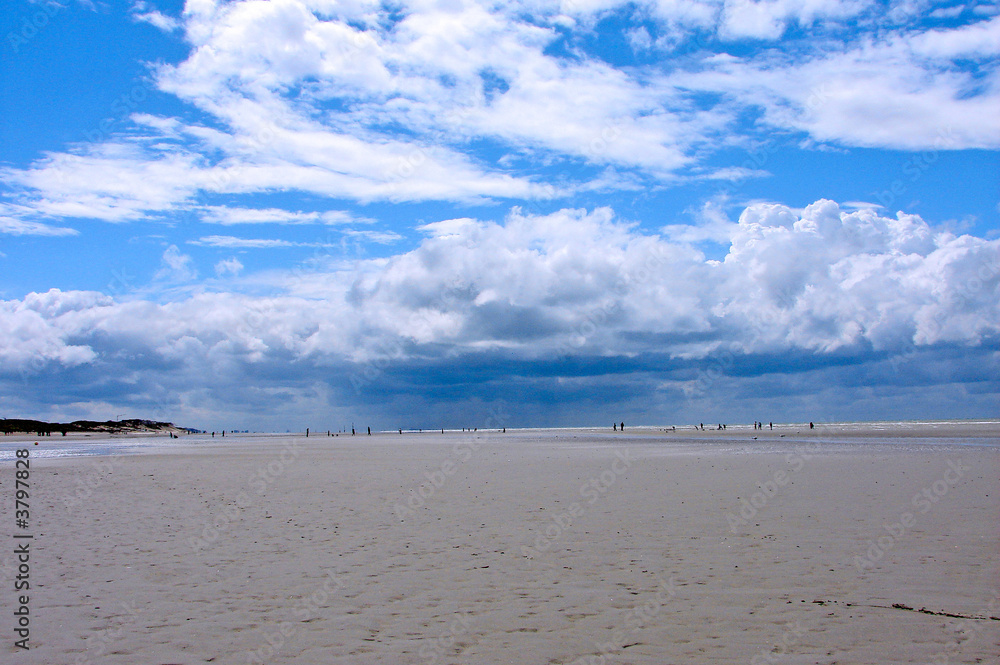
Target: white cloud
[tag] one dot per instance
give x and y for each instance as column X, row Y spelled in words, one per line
column 230, row 216
column 233, row 242
column 16, row 227
column 230, row 266
column 639, row 39
column 114, row 181
column 976, row 40
column 768, row 19
column 876, row 94
column 947, row 12
column 176, row 267
column 35, row 330
column 331, row 99
column 746, row 18
column 381, row 237
column 820, row 281
column 146, row 12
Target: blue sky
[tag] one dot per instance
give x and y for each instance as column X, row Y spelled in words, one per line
column 273, row 215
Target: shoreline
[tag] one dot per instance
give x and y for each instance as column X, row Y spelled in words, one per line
column 965, row 427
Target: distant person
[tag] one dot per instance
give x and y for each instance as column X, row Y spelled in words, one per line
column 352, row 430
column 770, row 425
column 811, row 425
column 369, row 431
column 614, row 427
column 623, row 426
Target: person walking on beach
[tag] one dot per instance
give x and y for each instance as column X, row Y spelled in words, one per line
column 614, row 427
column 623, row 425
column 369, row 431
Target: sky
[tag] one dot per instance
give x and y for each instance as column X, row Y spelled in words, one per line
column 273, row 215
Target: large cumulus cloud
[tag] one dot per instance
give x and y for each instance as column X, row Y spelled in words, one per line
column 558, row 305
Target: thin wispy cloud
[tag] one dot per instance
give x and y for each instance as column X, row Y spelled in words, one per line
column 252, row 243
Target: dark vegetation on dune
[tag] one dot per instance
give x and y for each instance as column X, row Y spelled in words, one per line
column 41, row 428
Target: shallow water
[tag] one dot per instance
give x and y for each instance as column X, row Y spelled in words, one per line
column 647, row 441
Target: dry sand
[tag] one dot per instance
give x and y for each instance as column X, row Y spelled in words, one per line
column 575, row 547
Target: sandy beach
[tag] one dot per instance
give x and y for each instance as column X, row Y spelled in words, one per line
column 848, row 544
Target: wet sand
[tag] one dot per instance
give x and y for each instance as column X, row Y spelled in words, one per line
column 559, row 546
